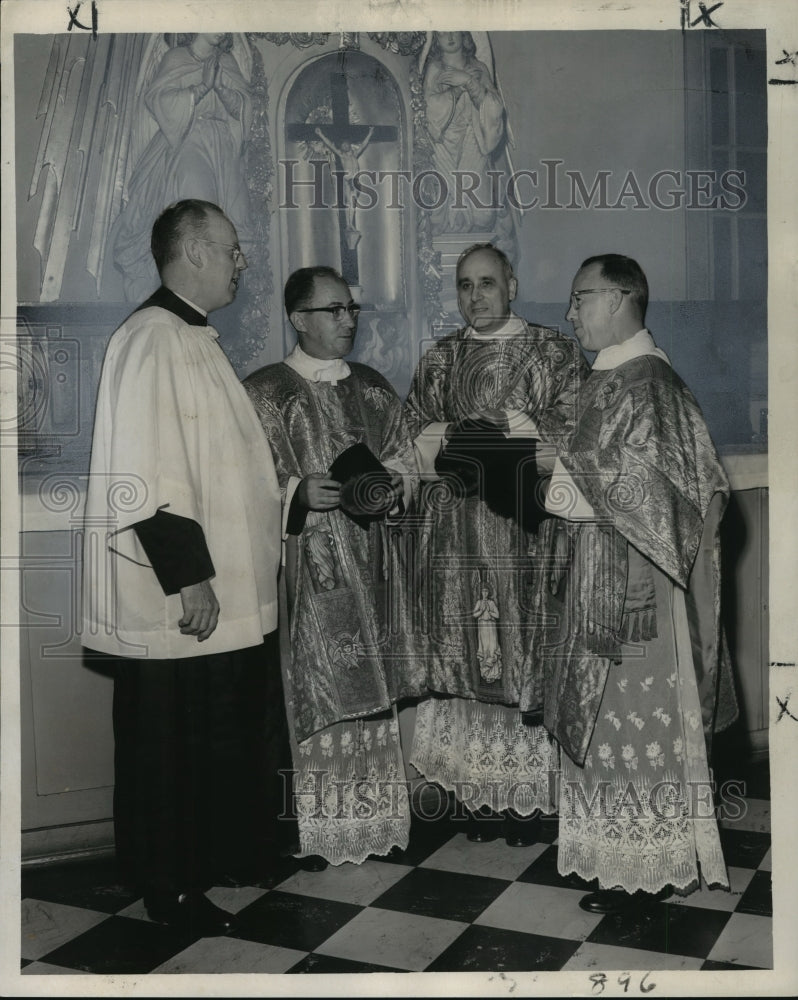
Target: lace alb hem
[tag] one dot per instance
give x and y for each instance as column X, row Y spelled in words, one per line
column 485, row 755
column 355, row 843
column 350, row 791
column 682, row 875
column 637, row 833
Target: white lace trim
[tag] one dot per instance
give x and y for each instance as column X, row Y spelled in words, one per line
column 350, row 791
column 485, row 755
column 641, row 825
column 640, row 833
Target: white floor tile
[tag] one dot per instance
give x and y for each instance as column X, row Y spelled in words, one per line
column 44, row 969
column 494, row 859
column 541, row 909
column 225, row 954
column 745, row 940
column 754, row 815
column 718, row 899
column 398, row 940
column 347, row 883
column 46, row 926
column 767, row 862
column 606, row 957
column 234, row 900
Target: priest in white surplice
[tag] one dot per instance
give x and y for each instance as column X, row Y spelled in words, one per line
column 182, row 547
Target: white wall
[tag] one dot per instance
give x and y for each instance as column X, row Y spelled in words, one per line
column 598, row 101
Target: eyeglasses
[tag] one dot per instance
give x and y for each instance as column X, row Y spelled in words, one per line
column 337, row 312
column 576, row 296
column 234, row 248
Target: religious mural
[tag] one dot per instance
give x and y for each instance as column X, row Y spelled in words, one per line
column 384, row 154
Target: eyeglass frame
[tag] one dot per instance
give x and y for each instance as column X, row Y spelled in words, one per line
column 575, row 304
column 354, row 309
column 238, row 253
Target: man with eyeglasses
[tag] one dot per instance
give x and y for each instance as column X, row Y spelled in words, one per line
column 629, row 636
column 344, row 458
column 182, row 549
column 479, row 398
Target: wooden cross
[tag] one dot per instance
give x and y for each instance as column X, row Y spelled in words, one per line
column 338, row 131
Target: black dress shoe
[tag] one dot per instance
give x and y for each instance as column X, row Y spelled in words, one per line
column 606, row 901
column 395, row 854
column 618, row 901
column 192, row 912
column 312, row 863
column 521, row 831
column 483, row 826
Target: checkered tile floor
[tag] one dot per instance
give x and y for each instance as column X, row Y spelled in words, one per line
column 445, row 905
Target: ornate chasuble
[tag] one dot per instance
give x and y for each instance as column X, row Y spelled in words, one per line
column 643, row 458
column 344, row 583
column 475, row 565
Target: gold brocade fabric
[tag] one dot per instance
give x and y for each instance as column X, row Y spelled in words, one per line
column 474, row 565
column 475, row 570
column 642, row 456
column 347, row 618
column 351, row 645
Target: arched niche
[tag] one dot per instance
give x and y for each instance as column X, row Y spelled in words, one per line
column 354, row 99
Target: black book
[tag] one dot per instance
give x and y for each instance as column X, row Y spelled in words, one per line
column 366, row 492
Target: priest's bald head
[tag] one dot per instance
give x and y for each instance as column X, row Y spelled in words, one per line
column 196, row 251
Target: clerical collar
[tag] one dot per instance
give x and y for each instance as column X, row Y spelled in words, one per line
column 511, row 328
column 317, row 369
column 165, row 298
column 640, row 344
column 192, row 305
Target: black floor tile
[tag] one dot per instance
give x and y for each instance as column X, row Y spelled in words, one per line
column 426, row 836
column 282, row 869
column 758, row 897
column 709, row 965
column 670, row 930
column 120, row 945
column 543, row 871
column 289, row 920
column 549, row 828
column 93, row 884
column 448, row 895
column 743, row 848
column 491, row 948
column 326, row 964
column 24, row 962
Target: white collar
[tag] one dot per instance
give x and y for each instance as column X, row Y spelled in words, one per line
column 510, row 328
column 640, row 344
column 317, row 369
column 194, row 306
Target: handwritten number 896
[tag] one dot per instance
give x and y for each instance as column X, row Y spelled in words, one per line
column 599, row 981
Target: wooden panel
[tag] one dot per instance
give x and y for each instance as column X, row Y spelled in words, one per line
column 67, row 737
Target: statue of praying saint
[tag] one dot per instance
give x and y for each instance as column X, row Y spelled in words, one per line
column 489, row 654
column 466, row 123
column 189, row 141
column 349, row 156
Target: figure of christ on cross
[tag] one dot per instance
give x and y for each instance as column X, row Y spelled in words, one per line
column 349, row 156
column 347, row 140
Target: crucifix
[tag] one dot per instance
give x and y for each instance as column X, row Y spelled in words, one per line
column 346, row 140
